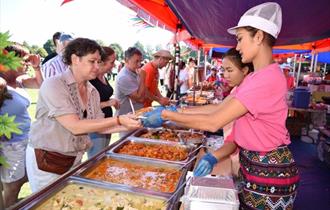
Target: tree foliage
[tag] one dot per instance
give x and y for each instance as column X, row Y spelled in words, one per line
column 149, row 51
column 100, row 42
column 119, row 51
column 42, row 52
column 49, row 46
column 8, row 60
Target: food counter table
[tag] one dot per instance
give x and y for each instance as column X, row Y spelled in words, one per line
column 122, row 176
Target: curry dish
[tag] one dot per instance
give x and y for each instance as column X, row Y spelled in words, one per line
column 170, row 135
column 157, row 151
column 84, row 197
column 136, row 175
column 167, row 135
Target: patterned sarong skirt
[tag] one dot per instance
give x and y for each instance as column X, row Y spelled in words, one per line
column 268, row 180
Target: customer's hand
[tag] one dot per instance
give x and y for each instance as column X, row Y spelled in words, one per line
column 153, row 118
column 129, row 121
column 164, row 101
column 114, row 102
column 171, row 108
column 142, row 73
column 205, row 165
column 34, row 60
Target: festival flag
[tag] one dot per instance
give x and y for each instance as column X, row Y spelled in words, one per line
column 140, row 22
column 66, row 1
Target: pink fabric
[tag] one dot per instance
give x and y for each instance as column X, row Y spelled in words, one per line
column 228, row 134
column 263, row 93
column 290, row 82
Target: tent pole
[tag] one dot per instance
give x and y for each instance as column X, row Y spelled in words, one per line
column 205, row 66
column 325, row 69
column 176, row 90
column 312, row 61
column 315, row 62
column 198, row 62
column 294, row 64
column 195, row 75
column 299, row 69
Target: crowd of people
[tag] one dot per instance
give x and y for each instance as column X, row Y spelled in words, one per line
column 74, row 109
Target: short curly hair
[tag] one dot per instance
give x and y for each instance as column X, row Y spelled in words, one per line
column 81, row 47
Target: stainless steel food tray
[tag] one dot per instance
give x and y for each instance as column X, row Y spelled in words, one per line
column 137, row 161
column 196, row 140
column 45, row 195
column 189, row 148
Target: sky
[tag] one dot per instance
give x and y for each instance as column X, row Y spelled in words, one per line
column 35, row 21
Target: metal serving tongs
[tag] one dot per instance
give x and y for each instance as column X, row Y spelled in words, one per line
column 198, row 148
column 177, row 191
column 181, row 139
column 133, row 110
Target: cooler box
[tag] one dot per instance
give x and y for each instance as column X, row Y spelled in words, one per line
column 301, row 97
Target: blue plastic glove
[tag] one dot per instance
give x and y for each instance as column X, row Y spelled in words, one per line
column 217, row 83
column 205, row 165
column 153, row 118
column 171, row 108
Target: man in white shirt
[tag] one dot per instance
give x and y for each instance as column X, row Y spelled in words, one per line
column 56, row 65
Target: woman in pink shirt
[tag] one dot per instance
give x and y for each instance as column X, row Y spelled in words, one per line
column 269, row 176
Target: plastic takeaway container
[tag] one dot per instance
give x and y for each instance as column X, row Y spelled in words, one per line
column 301, row 97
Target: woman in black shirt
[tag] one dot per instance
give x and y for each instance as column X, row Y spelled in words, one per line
column 105, row 90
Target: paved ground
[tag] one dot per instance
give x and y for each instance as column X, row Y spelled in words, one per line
column 314, row 189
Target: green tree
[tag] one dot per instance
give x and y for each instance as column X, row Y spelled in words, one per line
column 34, row 49
column 100, row 42
column 158, row 47
column 119, row 50
column 25, row 44
column 49, row 46
column 149, row 52
column 42, row 52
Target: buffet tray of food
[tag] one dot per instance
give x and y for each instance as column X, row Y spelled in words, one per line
column 199, row 100
column 136, row 173
column 77, row 193
column 162, row 134
column 162, row 151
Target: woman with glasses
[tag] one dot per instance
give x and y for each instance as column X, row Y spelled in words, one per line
column 68, row 108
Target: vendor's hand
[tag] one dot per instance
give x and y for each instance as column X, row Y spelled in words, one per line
column 205, row 165
column 153, row 118
column 217, row 83
column 129, row 121
column 164, row 101
column 114, row 102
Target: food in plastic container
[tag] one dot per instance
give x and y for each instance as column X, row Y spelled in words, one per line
column 210, row 193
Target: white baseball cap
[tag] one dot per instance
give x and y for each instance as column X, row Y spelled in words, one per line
column 266, row 17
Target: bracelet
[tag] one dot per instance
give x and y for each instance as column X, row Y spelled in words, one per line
column 182, row 109
column 118, row 121
column 36, row 68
